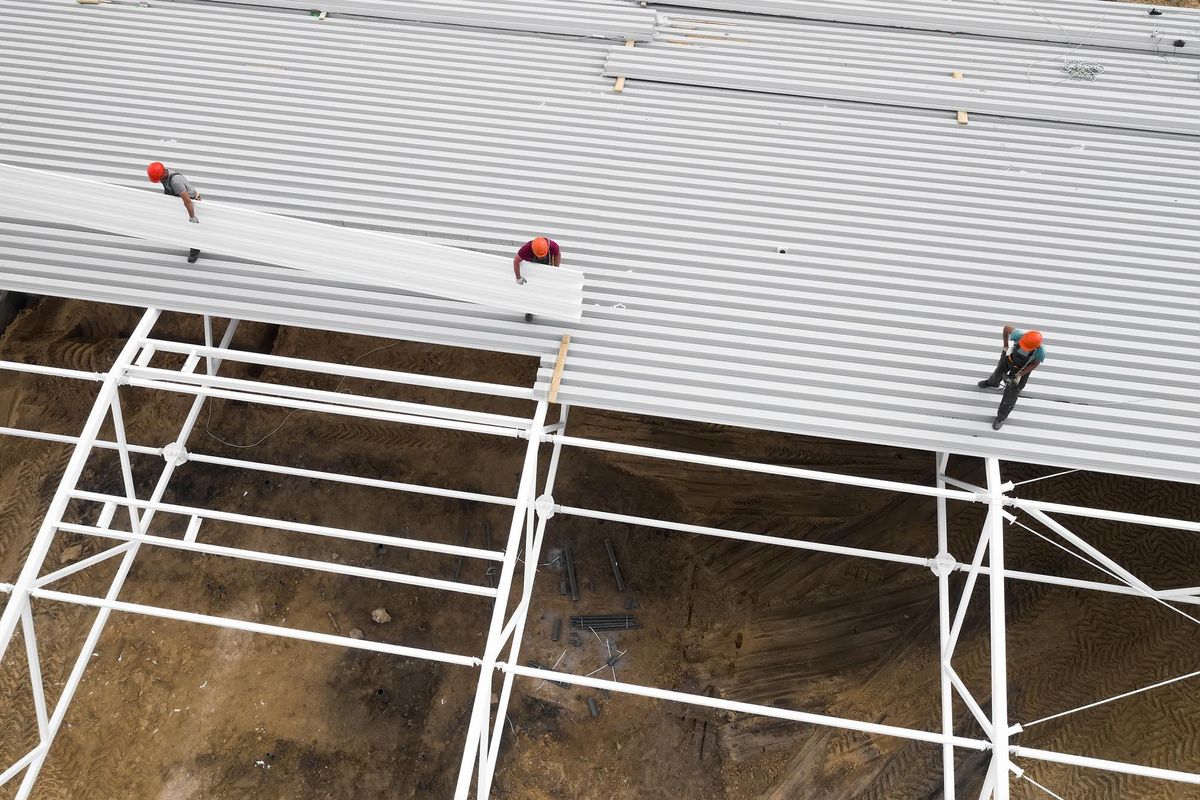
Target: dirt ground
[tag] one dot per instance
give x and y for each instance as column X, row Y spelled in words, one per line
column 175, row 711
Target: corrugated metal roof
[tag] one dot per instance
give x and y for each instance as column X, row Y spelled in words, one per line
column 1086, row 22
column 914, row 69
column 607, row 19
column 910, row 239
column 372, row 258
column 86, row 265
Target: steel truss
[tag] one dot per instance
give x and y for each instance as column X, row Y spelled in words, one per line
column 531, row 513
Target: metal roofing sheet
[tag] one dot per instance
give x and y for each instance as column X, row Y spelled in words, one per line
column 1078, row 22
column 909, row 239
column 351, row 254
column 608, row 19
column 915, row 69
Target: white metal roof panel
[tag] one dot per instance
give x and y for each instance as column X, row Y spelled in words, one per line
column 1099, row 23
column 349, row 254
column 608, row 19
column 915, row 69
column 910, row 239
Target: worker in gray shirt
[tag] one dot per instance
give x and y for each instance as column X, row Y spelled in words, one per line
column 174, row 183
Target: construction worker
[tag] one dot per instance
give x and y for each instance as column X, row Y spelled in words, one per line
column 1014, row 368
column 536, row 251
column 173, row 183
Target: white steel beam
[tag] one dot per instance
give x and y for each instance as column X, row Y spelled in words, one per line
column 263, row 557
column 475, row 748
column 999, row 645
column 262, row 396
column 344, row 370
column 872, row 728
column 296, row 527
column 942, row 568
column 1109, row 766
column 248, row 627
column 533, row 550
column 764, row 469
column 58, row 504
column 81, row 662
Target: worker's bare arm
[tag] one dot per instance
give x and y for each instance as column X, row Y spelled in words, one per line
column 517, row 269
column 187, row 203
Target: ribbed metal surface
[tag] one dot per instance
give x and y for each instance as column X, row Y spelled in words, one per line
column 1085, row 22
column 913, row 69
column 608, row 19
column 85, row 265
column 372, row 258
column 911, row 239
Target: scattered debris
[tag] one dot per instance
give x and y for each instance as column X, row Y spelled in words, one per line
column 556, row 631
column 355, row 633
column 606, row 622
column 591, row 704
column 616, row 568
column 333, row 622
column 572, row 579
column 70, row 553
column 381, row 616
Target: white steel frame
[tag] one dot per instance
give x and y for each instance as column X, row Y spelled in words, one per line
column 531, row 512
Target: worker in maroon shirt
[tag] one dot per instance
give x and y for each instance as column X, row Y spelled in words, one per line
column 536, row 251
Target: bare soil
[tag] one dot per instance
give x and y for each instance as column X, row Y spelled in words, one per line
column 176, row 711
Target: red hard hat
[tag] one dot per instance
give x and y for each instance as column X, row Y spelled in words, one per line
column 156, row 171
column 1032, row 340
column 541, row 247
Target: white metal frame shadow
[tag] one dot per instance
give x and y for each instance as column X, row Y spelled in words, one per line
column 531, row 512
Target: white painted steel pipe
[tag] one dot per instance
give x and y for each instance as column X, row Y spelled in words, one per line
column 256, row 627
column 56, row 372
column 764, row 469
column 118, row 581
column 757, row 538
column 259, row 466
column 476, row 745
column 336, row 477
column 1099, row 513
column 1119, row 571
column 297, row 527
column 263, row 557
column 335, row 398
column 62, row 495
column 941, row 462
column 325, row 408
column 79, row 566
column 22, row 762
column 1105, row 764
column 532, row 557
column 348, row 370
column 999, row 643
column 873, row 728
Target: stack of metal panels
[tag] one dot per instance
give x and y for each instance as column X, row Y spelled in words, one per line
column 1075, row 22
column 605, row 19
column 1030, row 80
column 909, row 240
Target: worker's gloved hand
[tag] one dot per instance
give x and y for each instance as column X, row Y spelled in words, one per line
column 193, row 219
column 521, row 281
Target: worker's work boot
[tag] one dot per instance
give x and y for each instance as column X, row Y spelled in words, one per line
column 997, row 424
column 193, row 254
column 984, row 384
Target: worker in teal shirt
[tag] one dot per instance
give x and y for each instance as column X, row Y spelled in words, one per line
column 1025, row 356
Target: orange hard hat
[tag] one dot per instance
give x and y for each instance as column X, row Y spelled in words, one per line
column 156, row 171
column 1032, row 340
column 541, row 247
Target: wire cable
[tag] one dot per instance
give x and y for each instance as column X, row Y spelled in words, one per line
column 290, row 414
